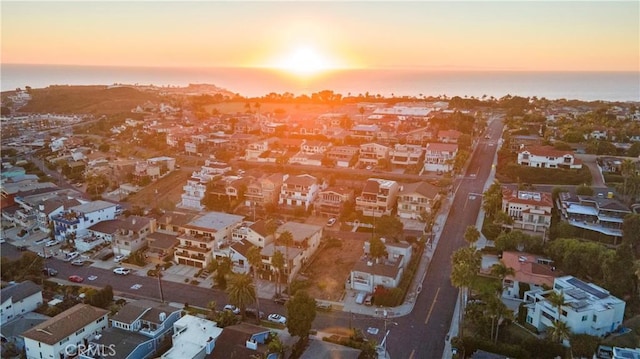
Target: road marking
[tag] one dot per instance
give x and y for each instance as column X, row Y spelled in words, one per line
column 432, row 305
column 412, row 353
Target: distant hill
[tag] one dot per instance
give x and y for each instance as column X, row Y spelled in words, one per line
column 96, row 100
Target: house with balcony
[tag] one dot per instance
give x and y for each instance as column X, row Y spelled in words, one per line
column 299, row 191
column 588, row 309
column 264, row 190
column 160, row 247
column 307, row 159
column 243, row 341
column 137, row 331
column 440, row 157
column 405, row 155
column 369, row 273
column 60, row 336
column 530, row 210
column 416, row 200
column 255, row 150
column 344, row 156
column 419, row 136
column 193, row 338
column 315, row 147
column 331, row 201
column 378, row 197
column 199, row 237
column 145, row 169
column 365, row 132
column 593, row 213
column 76, row 220
column 132, row 234
column 547, row 157
column 531, row 272
column 173, row 222
column 305, row 237
column 372, row 153
column 18, row 299
column 196, row 187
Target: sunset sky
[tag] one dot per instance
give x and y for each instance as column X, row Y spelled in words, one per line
column 307, row 36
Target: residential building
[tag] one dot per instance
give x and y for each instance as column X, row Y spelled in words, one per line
column 588, row 309
column 372, row 153
column 305, row 236
column 365, row 132
column 299, row 191
column 12, row 331
column 161, row 245
column 420, row 136
column 449, row 136
column 76, row 220
column 519, row 141
column 593, row 213
column 18, row 299
column 242, row 341
column 530, row 210
column 315, row 147
column 62, row 335
column 264, row 190
column 307, row 159
column 132, row 234
column 369, row 272
column 137, row 331
column 344, row 156
column 201, row 235
column 440, row 157
column 255, row 150
column 193, row 338
column 416, row 200
column 547, row 157
column 531, row 272
column 378, row 197
column 331, row 201
column 406, row 155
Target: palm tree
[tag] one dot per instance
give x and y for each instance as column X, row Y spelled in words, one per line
column 557, row 300
column 277, row 346
column 278, row 263
column 497, row 310
column 466, row 264
column 560, row 331
column 286, row 239
column 501, row 271
column 471, row 235
column 255, row 259
column 241, row 291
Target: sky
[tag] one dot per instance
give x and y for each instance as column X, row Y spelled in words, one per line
column 311, row 36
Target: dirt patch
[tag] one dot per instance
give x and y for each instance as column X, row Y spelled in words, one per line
column 330, row 268
column 169, row 191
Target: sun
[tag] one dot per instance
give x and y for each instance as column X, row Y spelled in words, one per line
column 304, row 61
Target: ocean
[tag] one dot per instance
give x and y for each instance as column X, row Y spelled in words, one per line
column 256, row 82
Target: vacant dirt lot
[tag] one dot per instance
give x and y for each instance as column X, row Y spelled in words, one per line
column 331, row 267
column 169, row 190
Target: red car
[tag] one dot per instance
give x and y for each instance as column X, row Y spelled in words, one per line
column 76, row 278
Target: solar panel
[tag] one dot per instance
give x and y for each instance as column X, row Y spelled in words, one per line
column 587, row 288
column 576, row 293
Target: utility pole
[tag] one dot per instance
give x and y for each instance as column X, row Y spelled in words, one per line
column 159, row 272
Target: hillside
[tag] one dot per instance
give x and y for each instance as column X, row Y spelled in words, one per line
column 96, row 100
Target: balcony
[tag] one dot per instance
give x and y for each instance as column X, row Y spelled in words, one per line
column 198, row 250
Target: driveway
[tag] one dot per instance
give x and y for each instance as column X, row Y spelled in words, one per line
column 596, row 174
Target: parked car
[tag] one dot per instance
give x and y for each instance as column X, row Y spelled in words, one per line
column 41, row 240
column 76, row 279
column 122, row 271
column 281, row 300
column 77, row 262
column 45, row 254
column 277, row 318
column 49, row 272
column 71, row 256
column 232, row 308
column 253, row 313
column 331, row 221
column 119, row 258
column 51, row 243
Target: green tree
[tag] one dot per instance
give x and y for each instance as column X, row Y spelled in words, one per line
column 557, row 300
column 212, row 306
column 559, row 331
column 584, row 345
column 301, row 312
column 241, row 291
column 492, row 199
column 255, row 259
column 377, row 249
column 465, row 265
column 471, row 235
column 389, row 227
column 631, row 231
column 278, row 263
column 584, row 190
column 277, row 346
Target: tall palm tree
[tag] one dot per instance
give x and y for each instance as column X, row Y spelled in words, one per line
column 278, row 263
column 501, row 271
column 466, row 264
column 471, row 235
column 286, row 239
column 559, row 331
column 241, row 291
column 557, row 300
column 255, row 259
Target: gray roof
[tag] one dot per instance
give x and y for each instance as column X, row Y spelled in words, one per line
column 422, row 188
column 319, row 349
column 215, row 221
column 93, row 206
column 299, row 231
column 123, row 341
column 19, row 291
column 65, row 324
column 109, row 226
column 148, row 310
column 22, row 323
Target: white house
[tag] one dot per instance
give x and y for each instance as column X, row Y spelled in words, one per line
column 63, row 335
column 439, row 157
column 406, row 155
column 369, row 273
column 18, row 299
column 193, row 338
column 588, row 308
column 372, row 153
column 299, row 191
column 76, row 220
column 417, row 199
column 378, row 197
column 547, row 157
column 530, row 210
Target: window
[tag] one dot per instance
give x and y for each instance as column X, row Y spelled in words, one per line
column 584, row 318
column 595, row 318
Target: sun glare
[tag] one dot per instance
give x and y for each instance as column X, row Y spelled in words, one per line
column 304, row 61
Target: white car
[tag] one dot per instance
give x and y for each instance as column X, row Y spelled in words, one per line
column 92, row 277
column 331, row 221
column 51, row 243
column 122, row 271
column 77, row 262
column 71, row 256
column 119, row 258
column 232, row 308
column 277, row 318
